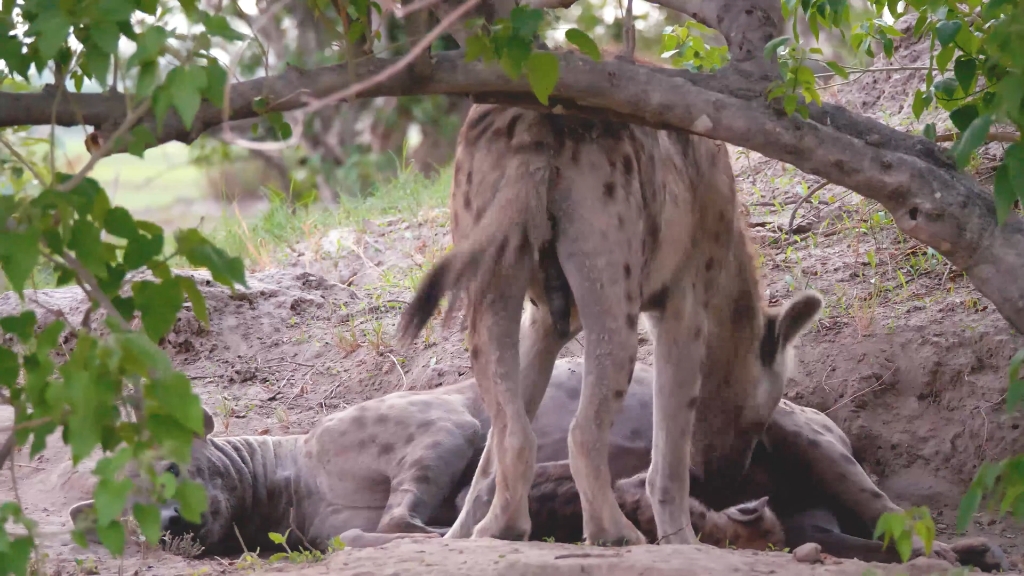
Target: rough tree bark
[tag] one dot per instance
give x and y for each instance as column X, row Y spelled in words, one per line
column 910, row 176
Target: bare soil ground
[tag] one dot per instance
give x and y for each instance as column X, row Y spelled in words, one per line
column 907, row 358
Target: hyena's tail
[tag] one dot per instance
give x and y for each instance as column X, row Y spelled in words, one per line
column 512, row 227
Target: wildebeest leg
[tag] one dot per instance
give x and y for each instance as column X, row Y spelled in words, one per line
column 356, row 538
column 821, row 526
column 431, row 471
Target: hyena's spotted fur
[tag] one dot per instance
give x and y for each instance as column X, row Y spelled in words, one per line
column 597, row 222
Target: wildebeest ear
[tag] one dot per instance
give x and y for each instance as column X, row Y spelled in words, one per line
column 781, row 327
column 79, row 512
column 748, row 511
column 208, row 422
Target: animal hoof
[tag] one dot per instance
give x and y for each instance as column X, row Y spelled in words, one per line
column 809, row 553
column 981, row 553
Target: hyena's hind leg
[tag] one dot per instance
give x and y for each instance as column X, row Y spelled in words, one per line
column 609, row 305
column 541, row 338
column 430, row 472
column 496, row 310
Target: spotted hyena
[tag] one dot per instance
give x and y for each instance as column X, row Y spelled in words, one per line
column 598, row 222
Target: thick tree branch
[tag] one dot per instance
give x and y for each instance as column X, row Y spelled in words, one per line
column 908, row 175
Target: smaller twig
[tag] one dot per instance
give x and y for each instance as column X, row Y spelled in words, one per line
column 856, row 70
column 17, row 156
column 658, row 541
column 279, row 389
column 403, row 11
column 240, row 541
column 823, row 378
column 869, row 389
column 792, row 215
column 991, row 137
column 291, row 522
column 405, row 383
column 106, row 146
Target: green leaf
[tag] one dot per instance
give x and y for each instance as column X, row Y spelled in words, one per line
column 963, row 116
column 968, row 506
column 542, row 72
column 965, row 69
column 216, row 78
column 217, row 25
column 147, row 79
column 945, row 32
column 159, row 305
column 105, row 35
column 971, row 139
column 19, row 254
column 186, row 85
column 584, row 42
column 226, row 270
column 772, row 47
column 149, row 45
column 922, row 99
column 191, row 497
column 789, row 104
column 477, row 46
column 119, row 222
column 276, row 537
column 9, row 367
column 838, row 69
column 887, row 47
column 112, row 537
column 943, row 58
column 526, row 21
column 87, row 246
column 23, row 325
column 142, row 139
column 929, row 131
column 110, row 497
column 148, row 517
column 175, row 398
column 904, row 546
column 1016, row 389
column 188, row 286
column 142, row 249
column 50, row 30
column 946, row 87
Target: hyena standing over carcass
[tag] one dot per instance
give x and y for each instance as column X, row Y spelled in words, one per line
column 597, row 222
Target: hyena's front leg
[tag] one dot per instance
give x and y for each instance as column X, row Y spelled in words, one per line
column 678, row 349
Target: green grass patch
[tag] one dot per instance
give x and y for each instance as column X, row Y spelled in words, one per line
column 262, row 241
